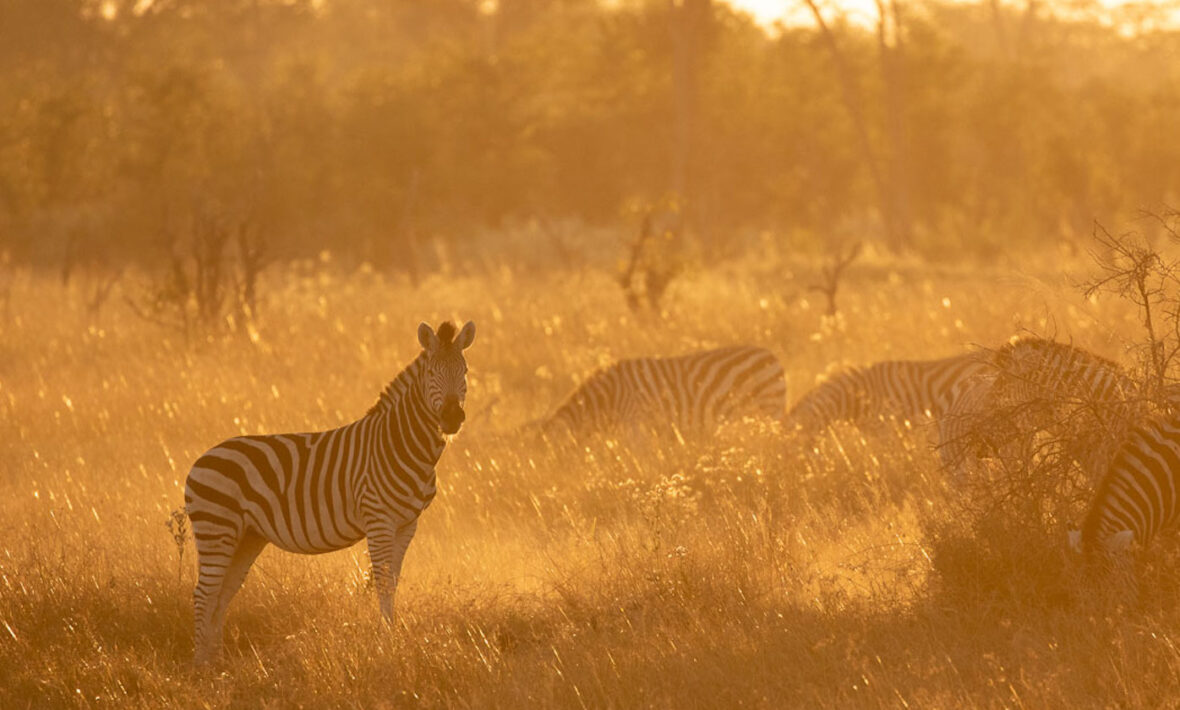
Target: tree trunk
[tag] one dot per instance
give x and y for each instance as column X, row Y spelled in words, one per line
column 852, row 103
column 690, row 22
column 897, row 173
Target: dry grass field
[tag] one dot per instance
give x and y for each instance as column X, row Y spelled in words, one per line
column 742, row 571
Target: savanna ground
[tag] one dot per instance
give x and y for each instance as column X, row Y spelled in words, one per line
column 742, row 571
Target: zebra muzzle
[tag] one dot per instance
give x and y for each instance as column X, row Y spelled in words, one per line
column 452, row 416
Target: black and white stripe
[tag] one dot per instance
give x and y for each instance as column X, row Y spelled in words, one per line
column 973, row 428
column 690, row 393
column 1067, row 379
column 911, row 390
column 1083, row 401
column 1140, row 493
column 322, row 491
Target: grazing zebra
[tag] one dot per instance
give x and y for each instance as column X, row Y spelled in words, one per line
column 904, row 389
column 690, row 393
column 1065, row 377
column 322, row 491
column 1138, row 497
column 1083, row 400
column 973, row 428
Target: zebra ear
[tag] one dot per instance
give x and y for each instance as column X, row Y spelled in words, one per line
column 466, row 336
column 1120, row 541
column 427, row 338
column 1075, row 540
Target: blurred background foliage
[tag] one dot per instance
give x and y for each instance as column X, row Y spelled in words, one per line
column 381, row 128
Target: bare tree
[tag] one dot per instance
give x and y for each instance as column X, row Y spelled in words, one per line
column 832, row 272
column 102, row 285
column 252, row 259
column 654, row 260
column 210, row 237
column 1131, row 268
column 203, row 286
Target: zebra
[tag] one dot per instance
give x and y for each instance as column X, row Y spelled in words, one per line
column 1138, row 497
column 973, row 428
column 689, row 393
column 1065, row 376
column 322, row 491
column 912, row 390
column 1085, row 401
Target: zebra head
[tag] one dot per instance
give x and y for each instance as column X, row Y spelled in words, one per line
column 1115, row 544
column 1106, row 566
column 444, row 384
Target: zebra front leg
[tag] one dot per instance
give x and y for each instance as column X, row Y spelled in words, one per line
column 950, row 448
column 387, row 548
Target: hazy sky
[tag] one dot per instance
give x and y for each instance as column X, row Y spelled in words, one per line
column 864, row 11
column 767, row 11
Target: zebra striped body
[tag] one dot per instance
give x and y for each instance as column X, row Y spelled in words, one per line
column 1140, row 494
column 1067, row 378
column 692, row 393
column 318, row 492
column 1080, row 399
column 974, row 428
column 913, row 390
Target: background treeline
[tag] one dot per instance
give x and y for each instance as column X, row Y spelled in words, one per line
column 377, row 127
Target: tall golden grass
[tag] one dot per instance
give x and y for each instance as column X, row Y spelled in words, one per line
column 738, row 571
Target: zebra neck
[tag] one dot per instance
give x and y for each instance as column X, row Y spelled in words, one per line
column 406, row 383
column 415, row 414
column 407, row 422
column 1106, row 518
column 566, row 415
column 842, row 398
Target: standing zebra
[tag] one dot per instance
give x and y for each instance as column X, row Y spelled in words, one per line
column 904, row 389
column 1138, row 497
column 690, row 393
column 322, row 491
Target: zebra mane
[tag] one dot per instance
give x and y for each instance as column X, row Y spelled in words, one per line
column 1008, row 352
column 446, row 333
column 401, row 384
column 1011, row 355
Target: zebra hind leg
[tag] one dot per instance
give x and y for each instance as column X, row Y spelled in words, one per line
column 217, row 549
column 250, row 545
